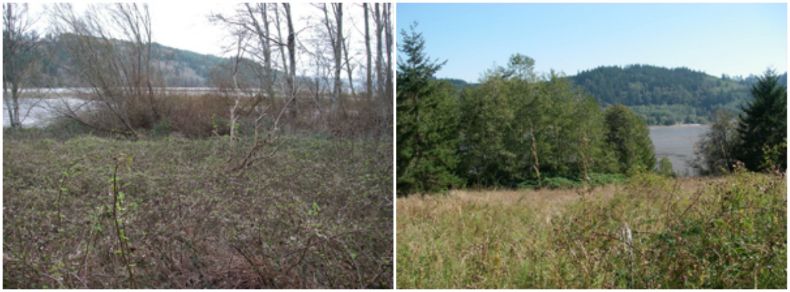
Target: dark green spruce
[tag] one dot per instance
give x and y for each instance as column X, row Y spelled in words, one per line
column 763, row 125
column 427, row 122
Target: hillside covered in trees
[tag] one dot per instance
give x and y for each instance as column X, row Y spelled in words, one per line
column 666, row 96
column 183, row 68
column 662, row 96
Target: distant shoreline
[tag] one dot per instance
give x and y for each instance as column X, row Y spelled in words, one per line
column 678, row 125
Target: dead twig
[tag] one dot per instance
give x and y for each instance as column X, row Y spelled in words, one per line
column 331, row 237
column 381, row 267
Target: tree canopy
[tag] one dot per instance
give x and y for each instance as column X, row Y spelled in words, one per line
column 628, row 136
column 515, row 128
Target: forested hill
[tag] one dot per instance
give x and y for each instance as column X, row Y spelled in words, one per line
column 665, row 96
column 182, row 68
column 458, row 83
column 190, row 69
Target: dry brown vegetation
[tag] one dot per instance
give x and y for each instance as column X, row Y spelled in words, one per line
column 317, row 213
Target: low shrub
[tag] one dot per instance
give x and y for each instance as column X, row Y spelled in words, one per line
column 316, row 214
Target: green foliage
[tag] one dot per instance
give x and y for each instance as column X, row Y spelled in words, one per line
column 550, row 182
column 427, row 122
column 502, row 117
column 458, row 83
column 663, row 96
column 715, row 153
column 763, row 122
column 558, row 182
column 668, row 115
column 772, row 156
column 628, row 136
column 665, row 167
column 162, row 128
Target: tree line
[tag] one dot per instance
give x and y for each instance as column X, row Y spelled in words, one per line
column 518, row 128
column 662, row 96
column 755, row 138
column 515, row 127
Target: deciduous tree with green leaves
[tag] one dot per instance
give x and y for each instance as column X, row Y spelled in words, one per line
column 763, row 123
column 628, row 136
column 516, row 126
column 427, row 122
column 717, row 147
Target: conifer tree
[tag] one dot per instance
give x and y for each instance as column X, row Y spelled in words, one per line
column 763, row 123
column 427, row 122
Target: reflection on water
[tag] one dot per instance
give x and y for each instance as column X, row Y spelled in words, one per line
column 673, row 142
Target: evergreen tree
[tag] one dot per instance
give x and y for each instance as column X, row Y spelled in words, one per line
column 427, row 122
column 763, row 123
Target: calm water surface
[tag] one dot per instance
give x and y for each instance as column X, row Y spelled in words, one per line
column 674, row 142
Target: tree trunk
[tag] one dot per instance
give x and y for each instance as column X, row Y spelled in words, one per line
column 379, row 54
column 388, row 35
column 264, row 38
column 292, row 60
column 369, row 68
column 336, row 38
column 348, row 69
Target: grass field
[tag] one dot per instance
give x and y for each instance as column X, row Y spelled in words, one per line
column 650, row 232
column 317, row 214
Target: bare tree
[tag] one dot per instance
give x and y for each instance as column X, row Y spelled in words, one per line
column 289, row 67
column 21, row 62
column 349, row 67
column 250, row 28
column 388, row 35
column 320, row 77
column 110, row 49
column 335, row 33
column 265, row 42
column 368, row 68
column 378, row 19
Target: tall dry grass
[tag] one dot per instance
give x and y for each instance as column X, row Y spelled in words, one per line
column 652, row 232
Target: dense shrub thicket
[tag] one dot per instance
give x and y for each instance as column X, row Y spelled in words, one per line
column 318, row 213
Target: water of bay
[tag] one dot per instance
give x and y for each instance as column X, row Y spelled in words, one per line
column 674, row 142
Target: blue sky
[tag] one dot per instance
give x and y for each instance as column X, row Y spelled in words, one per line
column 734, row 39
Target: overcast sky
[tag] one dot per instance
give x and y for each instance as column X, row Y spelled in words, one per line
column 736, row 39
column 185, row 24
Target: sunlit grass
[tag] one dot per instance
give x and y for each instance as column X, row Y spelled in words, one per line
column 685, row 233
